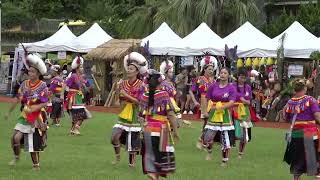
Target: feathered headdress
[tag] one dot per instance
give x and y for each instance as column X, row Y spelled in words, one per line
column 137, row 60
column 166, row 66
column 77, row 62
column 33, row 60
column 210, row 61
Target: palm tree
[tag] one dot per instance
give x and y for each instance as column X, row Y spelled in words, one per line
column 218, row 14
column 141, row 21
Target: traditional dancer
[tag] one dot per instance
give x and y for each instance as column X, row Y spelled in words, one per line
column 222, row 95
column 302, row 153
column 55, row 91
column 127, row 130
column 166, row 69
column 158, row 157
column 32, row 124
column 242, row 110
column 208, row 65
column 74, row 102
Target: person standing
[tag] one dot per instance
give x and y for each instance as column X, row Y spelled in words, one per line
column 128, row 128
column 200, row 88
column 74, row 102
column 55, row 91
column 242, row 117
column 158, row 158
column 302, row 152
column 32, row 123
column 222, row 96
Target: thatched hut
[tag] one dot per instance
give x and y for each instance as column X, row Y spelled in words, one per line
column 108, row 63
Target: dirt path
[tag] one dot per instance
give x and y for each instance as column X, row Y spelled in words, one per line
column 186, row 117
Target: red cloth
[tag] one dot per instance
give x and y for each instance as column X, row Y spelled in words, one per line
column 32, row 117
column 253, row 115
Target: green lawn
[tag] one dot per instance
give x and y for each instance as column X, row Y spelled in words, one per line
column 89, row 156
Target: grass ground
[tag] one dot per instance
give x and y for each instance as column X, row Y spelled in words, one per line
column 89, row 156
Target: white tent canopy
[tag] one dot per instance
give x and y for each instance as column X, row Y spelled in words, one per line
column 90, row 39
column 164, row 40
column 203, row 39
column 299, row 42
column 251, row 42
column 57, row 42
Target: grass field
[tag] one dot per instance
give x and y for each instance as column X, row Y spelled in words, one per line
column 89, row 156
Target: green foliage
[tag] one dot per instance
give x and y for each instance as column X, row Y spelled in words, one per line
column 315, row 55
column 13, row 15
column 308, row 15
column 8, row 36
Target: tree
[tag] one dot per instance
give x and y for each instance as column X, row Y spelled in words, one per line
column 184, row 15
column 13, row 15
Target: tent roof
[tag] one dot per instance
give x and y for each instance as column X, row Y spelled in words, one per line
column 251, row 42
column 299, row 42
column 164, row 40
column 56, row 42
column 90, row 39
column 203, row 39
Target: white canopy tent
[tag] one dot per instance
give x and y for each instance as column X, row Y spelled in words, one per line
column 203, row 39
column 251, row 42
column 90, row 39
column 57, row 42
column 299, row 42
column 164, row 40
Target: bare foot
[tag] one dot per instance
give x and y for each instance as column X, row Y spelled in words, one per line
column 199, row 145
column 13, row 162
column 224, row 164
column 239, row 157
column 36, row 167
column 132, row 165
column 208, row 157
column 152, row 176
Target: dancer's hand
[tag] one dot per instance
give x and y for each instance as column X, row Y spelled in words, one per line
column 205, row 115
column 196, row 104
column 6, row 116
column 176, row 138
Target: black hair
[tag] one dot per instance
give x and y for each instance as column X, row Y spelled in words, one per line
column 153, row 83
column 204, row 68
column 298, row 85
column 241, row 72
column 74, row 71
column 226, row 68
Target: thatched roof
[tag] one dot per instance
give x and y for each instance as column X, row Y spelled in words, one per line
column 113, row 49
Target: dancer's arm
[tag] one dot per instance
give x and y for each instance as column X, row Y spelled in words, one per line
column 12, row 107
column 172, row 119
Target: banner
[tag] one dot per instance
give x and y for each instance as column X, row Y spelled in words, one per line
column 295, row 70
column 4, row 73
column 19, row 56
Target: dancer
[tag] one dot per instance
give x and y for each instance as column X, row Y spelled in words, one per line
column 208, row 65
column 74, row 102
column 127, row 130
column 241, row 110
column 302, row 153
column 55, row 90
column 222, row 95
column 166, row 69
column 158, row 157
column 32, row 124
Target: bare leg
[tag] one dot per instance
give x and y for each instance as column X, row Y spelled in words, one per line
column 15, row 142
column 35, row 160
column 243, row 142
column 209, row 146
column 132, row 159
column 296, row 177
column 116, row 144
